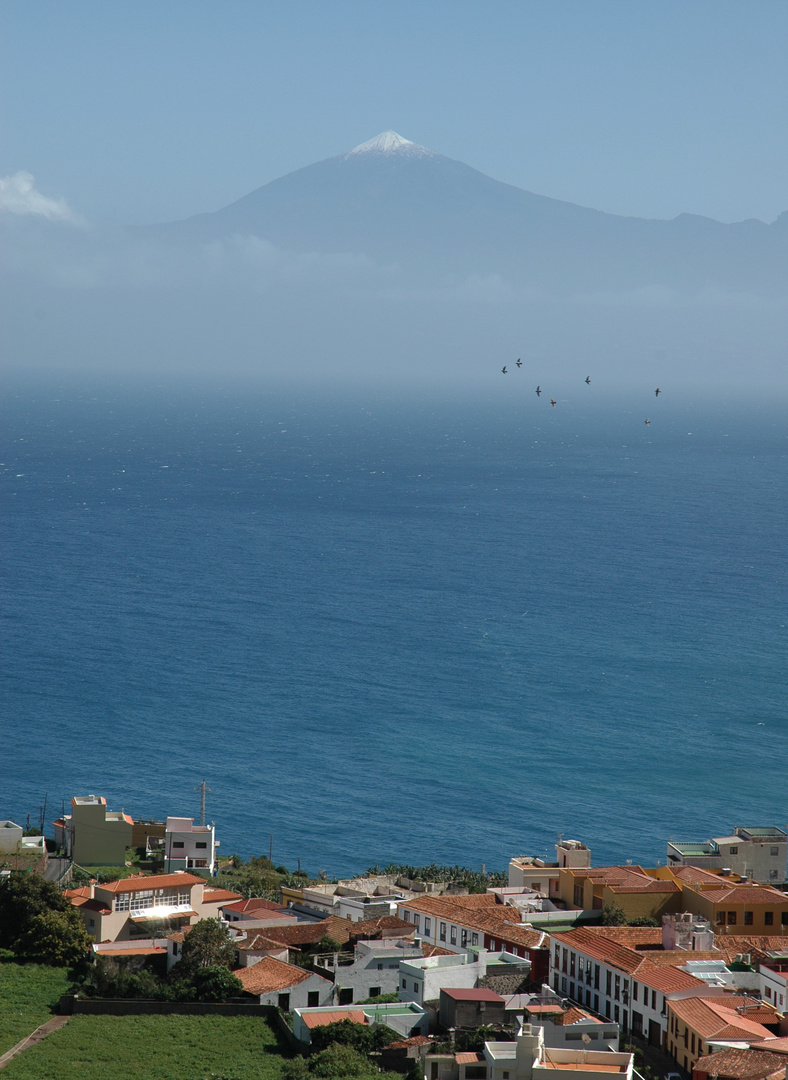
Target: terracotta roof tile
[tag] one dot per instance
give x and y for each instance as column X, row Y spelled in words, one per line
column 575, row 1015
column 269, row 975
column 150, row 881
column 666, row 979
column 735, row 1064
column 477, row 994
column 255, row 903
column 635, row 937
column 320, row 1019
column 468, row 1057
column 712, row 1021
column 310, row 933
column 218, row 896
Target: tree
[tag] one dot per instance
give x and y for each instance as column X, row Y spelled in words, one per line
column 208, row 944
column 22, row 898
column 364, row 1038
column 216, row 984
column 337, row 1061
column 54, row 937
column 613, row 915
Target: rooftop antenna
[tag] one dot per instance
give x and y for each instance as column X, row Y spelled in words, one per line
column 203, row 789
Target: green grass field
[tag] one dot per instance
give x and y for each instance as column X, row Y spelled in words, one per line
column 153, row 1048
column 28, row 995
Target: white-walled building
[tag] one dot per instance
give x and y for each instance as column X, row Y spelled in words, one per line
column 528, row 1059
column 759, row 853
column 422, row 978
column 10, row 837
column 621, row 984
column 189, row 847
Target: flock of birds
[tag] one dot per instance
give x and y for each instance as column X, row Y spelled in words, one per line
column 553, row 402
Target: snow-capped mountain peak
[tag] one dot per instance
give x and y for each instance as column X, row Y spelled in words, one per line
column 388, row 142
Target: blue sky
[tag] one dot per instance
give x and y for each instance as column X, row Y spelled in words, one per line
column 150, row 111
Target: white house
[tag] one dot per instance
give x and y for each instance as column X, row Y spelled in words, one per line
column 528, row 1059
column 10, row 837
column 189, row 847
column 274, row 982
column 372, row 969
column 773, row 985
column 422, row 978
column 406, row 1018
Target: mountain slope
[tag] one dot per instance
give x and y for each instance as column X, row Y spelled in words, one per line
column 400, row 203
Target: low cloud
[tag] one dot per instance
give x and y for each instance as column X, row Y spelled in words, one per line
column 18, row 195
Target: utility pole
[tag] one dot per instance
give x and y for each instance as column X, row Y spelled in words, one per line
column 203, row 788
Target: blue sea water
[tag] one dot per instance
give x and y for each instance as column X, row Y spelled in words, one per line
column 397, row 627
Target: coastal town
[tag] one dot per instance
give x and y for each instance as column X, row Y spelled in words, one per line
column 677, row 970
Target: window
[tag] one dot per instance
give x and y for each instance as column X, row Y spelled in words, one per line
column 731, row 918
column 571, row 965
column 748, row 918
column 784, row 918
column 312, row 999
column 617, row 992
column 774, row 851
column 374, row 991
column 177, row 843
column 692, row 1042
column 654, row 1000
column 474, row 938
column 464, row 941
column 284, row 1002
column 768, row 918
column 443, row 931
column 91, row 922
column 404, row 985
column 453, row 935
column 634, row 991
column 596, row 1003
column 564, row 985
column 201, row 845
column 427, row 926
column 720, row 918
column 768, row 992
column 616, row 1014
column 734, row 851
column 476, row 1072
column 596, row 976
column 608, row 983
column 557, row 956
column 416, row 921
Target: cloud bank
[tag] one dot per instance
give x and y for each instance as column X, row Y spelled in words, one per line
column 19, row 195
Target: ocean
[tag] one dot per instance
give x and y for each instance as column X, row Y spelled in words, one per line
column 437, row 626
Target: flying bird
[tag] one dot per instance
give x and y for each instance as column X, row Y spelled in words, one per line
column 588, row 379
column 656, row 392
column 503, row 369
column 646, row 421
column 538, row 391
column 552, row 401
column 519, row 362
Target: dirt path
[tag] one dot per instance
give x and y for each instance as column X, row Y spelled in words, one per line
column 40, row 1033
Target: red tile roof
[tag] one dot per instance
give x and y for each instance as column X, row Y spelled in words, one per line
column 712, row 1021
column 270, row 975
column 666, row 979
column 577, row 1016
column 320, row 1019
column 337, row 929
column 150, row 881
column 468, row 1057
column 218, row 896
column 735, row 1064
column 479, row 994
column 746, row 894
column 635, row 937
column 255, row 903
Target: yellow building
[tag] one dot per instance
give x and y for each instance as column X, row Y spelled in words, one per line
column 739, row 909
